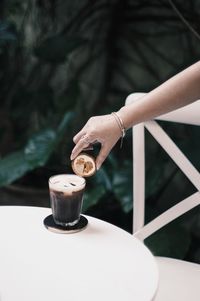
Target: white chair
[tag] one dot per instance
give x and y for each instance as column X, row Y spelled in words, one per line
column 178, row 280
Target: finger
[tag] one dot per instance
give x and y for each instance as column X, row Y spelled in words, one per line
column 81, row 144
column 102, row 156
column 79, row 135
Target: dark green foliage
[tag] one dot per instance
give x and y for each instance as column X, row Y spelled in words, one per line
column 7, row 33
column 35, row 153
column 56, row 49
column 172, row 240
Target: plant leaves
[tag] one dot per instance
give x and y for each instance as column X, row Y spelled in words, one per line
column 63, row 124
column 7, row 33
column 102, row 178
column 13, row 167
column 55, row 49
column 93, row 196
column 36, row 153
column 39, row 147
column 122, row 187
column 172, row 241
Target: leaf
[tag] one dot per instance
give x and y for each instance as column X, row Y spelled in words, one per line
column 13, row 167
column 98, row 186
column 62, row 126
column 93, row 196
column 172, row 241
column 122, row 187
column 41, row 98
column 36, row 153
column 7, row 32
column 39, row 148
column 102, row 178
column 155, row 178
column 55, row 49
column 69, row 98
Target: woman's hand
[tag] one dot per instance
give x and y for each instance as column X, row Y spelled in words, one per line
column 103, row 129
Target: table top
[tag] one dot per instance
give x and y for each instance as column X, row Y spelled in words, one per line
column 102, row 262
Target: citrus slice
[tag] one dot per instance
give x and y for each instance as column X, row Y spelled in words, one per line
column 84, row 165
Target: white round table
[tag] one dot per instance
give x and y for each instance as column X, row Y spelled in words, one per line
column 100, row 263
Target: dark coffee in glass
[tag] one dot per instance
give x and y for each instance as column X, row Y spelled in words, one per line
column 66, row 196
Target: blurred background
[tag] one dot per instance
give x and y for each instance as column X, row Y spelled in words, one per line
column 62, row 61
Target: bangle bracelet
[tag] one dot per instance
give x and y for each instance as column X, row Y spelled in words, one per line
column 120, row 125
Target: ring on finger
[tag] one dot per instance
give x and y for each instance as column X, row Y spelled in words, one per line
column 86, row 139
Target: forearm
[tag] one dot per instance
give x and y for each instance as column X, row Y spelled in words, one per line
column 178, row 91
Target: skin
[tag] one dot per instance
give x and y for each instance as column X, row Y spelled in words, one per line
column 177, row 92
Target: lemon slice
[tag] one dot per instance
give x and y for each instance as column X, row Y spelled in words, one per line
column 84, row 165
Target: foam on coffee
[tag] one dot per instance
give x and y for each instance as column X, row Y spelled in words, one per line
column 66, row 183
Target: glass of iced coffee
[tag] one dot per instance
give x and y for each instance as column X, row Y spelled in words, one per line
column 66, row 197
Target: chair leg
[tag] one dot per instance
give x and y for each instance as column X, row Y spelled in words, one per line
column 138, row 177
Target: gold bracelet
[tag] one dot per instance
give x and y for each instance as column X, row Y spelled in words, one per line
column 120, row 125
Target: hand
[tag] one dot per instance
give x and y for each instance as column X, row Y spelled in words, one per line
column 103, row 129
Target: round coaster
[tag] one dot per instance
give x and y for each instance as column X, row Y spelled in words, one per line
column 52, row 226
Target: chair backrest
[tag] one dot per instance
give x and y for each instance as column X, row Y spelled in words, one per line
column 189, row 114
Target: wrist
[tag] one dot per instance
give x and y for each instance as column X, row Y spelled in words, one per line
column 120, row 125
column 123, row 116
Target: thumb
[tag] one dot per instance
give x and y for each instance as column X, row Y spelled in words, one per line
column 104, row 152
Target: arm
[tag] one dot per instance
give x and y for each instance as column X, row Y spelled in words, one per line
column 178, row 91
